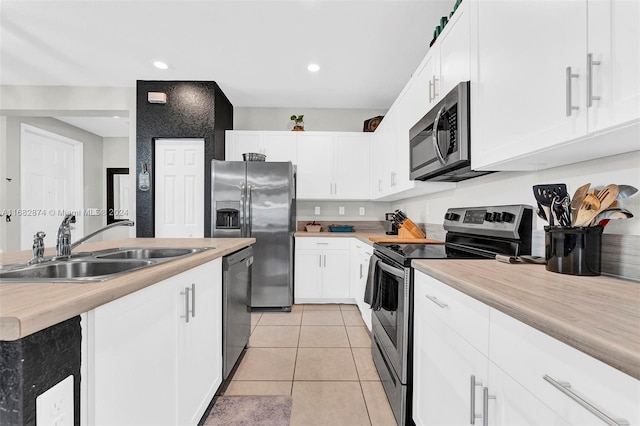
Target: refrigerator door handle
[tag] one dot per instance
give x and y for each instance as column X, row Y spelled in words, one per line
column 249, row 212
column 243, row 205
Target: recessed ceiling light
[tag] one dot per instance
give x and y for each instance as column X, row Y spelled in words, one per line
column 161, row 65
column 314, row 67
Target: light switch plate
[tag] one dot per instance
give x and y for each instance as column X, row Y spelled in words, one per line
column 54, row 407
column 361, row 211
column 316, row 210
column 341, row 210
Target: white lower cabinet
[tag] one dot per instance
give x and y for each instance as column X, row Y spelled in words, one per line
column 146, row 364
column 522, row 376
column 322, row 270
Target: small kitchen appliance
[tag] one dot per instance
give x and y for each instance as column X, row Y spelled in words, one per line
column 472, row 233
column 392, row 225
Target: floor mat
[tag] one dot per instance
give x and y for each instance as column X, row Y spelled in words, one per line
column 250, row 410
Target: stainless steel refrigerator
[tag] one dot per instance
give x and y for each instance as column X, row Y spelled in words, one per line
column 257, row 199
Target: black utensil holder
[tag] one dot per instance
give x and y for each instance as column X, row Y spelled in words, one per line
column 573, row 250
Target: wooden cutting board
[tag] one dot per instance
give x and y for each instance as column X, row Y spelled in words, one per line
column 405, row 240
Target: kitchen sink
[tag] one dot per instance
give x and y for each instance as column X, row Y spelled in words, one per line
column 147, row 253
column 92, row 267
column 72, row 270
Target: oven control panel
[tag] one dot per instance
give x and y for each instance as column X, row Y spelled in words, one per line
column 507, row 221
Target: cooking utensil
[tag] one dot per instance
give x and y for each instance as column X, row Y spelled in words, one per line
column 541, row 214
column 587, row 211
column 561, row 209
column 626, row 191
column 615, row 213
column 576, row 201
column 605, row 197
column 545, row 194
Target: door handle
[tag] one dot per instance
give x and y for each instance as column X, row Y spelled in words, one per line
column 325, row 260
column 485, row 406
column 250, row 211
column 472, row 403
column 568, row 76
column 565, row 388
column 435, row 138
column 185, row 293
column 590, row 96
column 437, row 302
column 193, row 300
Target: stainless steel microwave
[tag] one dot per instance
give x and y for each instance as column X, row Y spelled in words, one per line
column 440, row 143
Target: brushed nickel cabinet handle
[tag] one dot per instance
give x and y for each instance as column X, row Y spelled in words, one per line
column 193, row 300
column 472, row 405
column 590, row 65
column 485, row 406
column 568, row 76
column 436, row 301
column 565, row 388
column 185, row 293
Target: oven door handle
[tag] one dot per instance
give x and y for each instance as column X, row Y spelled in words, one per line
column 390, row 269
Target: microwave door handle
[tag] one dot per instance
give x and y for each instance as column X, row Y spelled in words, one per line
column 390, row 269
column 436, row 144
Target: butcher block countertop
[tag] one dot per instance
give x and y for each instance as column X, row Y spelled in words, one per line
column 597, row 315
column 26, row 308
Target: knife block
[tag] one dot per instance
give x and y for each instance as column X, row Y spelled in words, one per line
column 408, row 229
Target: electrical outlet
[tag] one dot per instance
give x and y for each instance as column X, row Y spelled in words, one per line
column 341, row 210
column 55, row 406
column 361, row 211
column 316, row 210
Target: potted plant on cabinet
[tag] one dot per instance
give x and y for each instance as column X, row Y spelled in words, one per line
column 298, row 123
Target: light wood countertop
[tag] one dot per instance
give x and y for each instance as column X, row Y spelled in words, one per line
column 362, row 236
column 597, row 315
column 26, row 308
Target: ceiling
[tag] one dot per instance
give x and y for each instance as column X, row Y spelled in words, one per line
column 257, row 51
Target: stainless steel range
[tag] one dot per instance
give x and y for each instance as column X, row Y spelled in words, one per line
column 472, row 233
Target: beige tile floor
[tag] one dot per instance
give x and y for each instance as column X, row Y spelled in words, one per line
column 321, row 356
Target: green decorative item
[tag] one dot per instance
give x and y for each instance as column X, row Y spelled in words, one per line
column 298, row 125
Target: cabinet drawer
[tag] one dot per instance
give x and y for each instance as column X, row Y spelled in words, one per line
column 528, row 355
column 467, row 316
column 327, row 243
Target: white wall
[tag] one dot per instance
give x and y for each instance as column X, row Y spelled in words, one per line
column 315, row 119
column 516, row 188
column 305, row 210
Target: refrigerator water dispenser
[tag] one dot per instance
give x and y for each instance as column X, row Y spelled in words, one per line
column 228, row 215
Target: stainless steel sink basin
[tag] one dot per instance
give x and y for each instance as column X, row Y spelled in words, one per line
column 72, row 270
column 147, row 253
column 92, row 267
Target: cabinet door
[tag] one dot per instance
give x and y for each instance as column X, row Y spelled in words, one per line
column 514, row 405
column 315, row 166
column 425, row 81
column 352, row 171
column 524, row 49
column 388, row 154
column 454, row 49
column 280, row 146
column 614, row 42
column 199, row 339
column 335, row 274
column 239, row 142
column 308, row 274
column 443, row 366
column 133, row 370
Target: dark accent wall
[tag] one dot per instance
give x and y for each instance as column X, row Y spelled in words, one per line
column 34, row 364
column 194, row 109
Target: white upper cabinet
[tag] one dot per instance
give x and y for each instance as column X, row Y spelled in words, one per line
column 530, row 92
column 614, row 49
column 334, row 165
column 277, row 146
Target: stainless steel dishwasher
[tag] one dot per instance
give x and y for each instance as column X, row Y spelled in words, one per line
column 236, row 306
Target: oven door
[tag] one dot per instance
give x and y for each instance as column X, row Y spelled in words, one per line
column 391, row 321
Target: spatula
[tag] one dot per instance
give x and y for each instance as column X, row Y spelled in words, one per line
column 587, row 210
column 545, row 194
column 576, row 201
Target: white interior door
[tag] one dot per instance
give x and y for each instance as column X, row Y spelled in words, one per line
column 51, row 183
column 179, row 192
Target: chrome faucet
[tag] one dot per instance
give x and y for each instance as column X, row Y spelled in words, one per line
column 38, row 248
column 64, row 246
column 63, row 240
